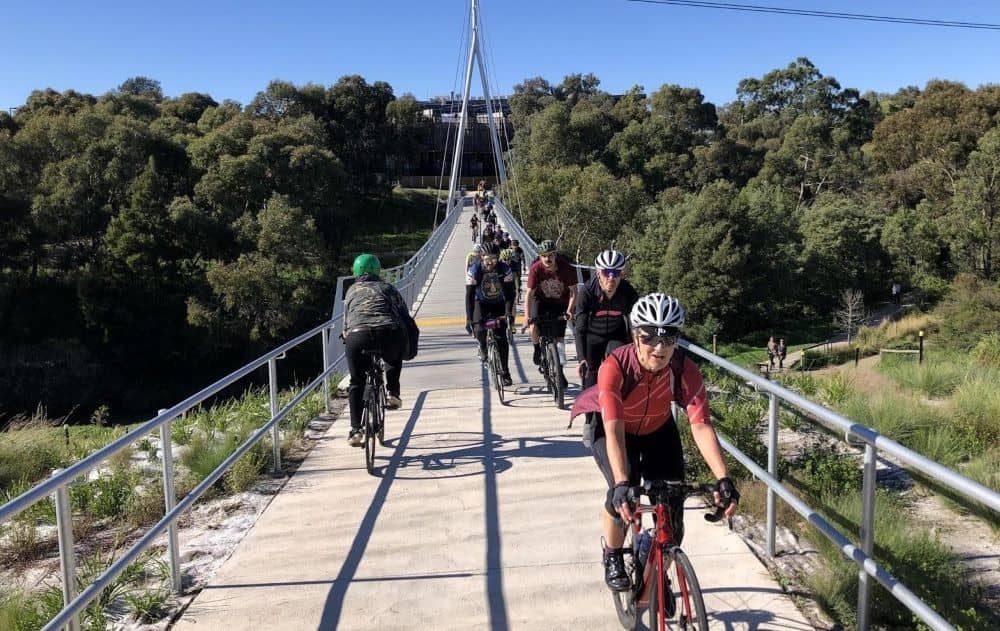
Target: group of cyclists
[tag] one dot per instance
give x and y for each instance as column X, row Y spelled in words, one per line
column 630, row 366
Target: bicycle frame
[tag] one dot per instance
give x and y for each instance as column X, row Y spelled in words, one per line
column 663, row 547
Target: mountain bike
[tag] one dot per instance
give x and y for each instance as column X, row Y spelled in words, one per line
column 551, row 366
column 649, row 555
column 493, row 362
column 373, row 413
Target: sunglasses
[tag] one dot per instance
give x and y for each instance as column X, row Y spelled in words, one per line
column 655, row 340
column 489, row 259
column 611, row 273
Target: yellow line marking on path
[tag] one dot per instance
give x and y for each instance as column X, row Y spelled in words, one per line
column 440, row 321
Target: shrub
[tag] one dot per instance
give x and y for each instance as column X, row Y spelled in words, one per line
column 245, row 471
column 148, row 606
column 969, row 311
column 912, row 554
column 934, row 379
column 206, row 452
column 987, row 352
column 802, row 383
column 821, row 469
column 28, row 453
column 112, row 494
column 835, row 390
column 743, row 422
column 976, row 406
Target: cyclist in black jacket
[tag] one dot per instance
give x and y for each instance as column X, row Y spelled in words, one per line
column 600, row 323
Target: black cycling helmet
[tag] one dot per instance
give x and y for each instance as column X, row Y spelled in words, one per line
column 491, row 249
column 547, row 246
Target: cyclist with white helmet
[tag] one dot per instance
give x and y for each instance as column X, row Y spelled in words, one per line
column 600, row 323
column 636, row 436
column 473, row 257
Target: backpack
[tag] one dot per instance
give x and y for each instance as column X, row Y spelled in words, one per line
column 412, row 333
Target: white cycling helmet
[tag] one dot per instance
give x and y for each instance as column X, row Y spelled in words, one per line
column 657, row 310
column 610, row 259
column 478, row 248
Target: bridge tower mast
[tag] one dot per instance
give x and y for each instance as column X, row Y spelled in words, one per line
column 475, row 55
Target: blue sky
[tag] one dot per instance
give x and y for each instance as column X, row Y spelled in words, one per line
column 232, row 49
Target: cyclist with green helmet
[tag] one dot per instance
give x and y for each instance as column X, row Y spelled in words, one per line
column 371, row 322
column 551, row 296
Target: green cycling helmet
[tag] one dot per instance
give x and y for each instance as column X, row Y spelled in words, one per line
column 506, row 254
column 547, row 247
column 366, row 264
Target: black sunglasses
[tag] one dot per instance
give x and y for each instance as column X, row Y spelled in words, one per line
column 653, row 340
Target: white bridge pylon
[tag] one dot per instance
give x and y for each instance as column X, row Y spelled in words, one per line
column 475, row 56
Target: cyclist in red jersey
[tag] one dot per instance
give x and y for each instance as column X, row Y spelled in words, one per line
column 636, row 436
column 551, row 296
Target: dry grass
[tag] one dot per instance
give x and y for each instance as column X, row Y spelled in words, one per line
column 871, row 338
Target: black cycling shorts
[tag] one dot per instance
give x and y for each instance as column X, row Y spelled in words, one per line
column 656, row 456
column 548, row 311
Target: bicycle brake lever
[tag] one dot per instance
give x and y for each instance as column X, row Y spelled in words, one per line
column 716, row 516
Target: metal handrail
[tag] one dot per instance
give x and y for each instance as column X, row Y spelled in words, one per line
column 410, row 278
column 873, row 442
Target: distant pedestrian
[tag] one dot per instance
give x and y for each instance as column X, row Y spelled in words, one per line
column 772, row 351
column 897, row 293
column 782, row 351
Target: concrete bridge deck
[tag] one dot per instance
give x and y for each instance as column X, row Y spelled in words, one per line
column 481, row 516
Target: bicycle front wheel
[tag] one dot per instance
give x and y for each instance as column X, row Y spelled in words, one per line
column 625, row 605
column 691, row 607
column 495, row 370
column 555, row 376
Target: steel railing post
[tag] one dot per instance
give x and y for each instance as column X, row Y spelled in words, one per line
column 867, row 535
column 326, row 364
column 169, row 501
column 772, row 468
column 272, row 378
column 67, row 562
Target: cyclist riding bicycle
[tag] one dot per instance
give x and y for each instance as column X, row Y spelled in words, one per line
column 636, row 436
column 474, row 256
column 489, row 293
column 551, row 294
column 474, row 226
column 600, row 323
column 371, row 321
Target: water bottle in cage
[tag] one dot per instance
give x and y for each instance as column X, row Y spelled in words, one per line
column 645, row 542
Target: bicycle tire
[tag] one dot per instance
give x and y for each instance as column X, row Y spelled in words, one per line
column 691, row 613
column 498, row 373
column 381, row 406
column 368, row 425
column 558, row 392
column 625, row 602
column 544, row 368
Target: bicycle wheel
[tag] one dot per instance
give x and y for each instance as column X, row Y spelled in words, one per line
column 691, row 612
column 555, row 377
column 543, row 367
column 368, row 423
column 497, row 368
column 380, row 416
column 625, row 601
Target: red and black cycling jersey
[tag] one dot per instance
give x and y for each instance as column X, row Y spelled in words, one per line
column 627, row 392
column 600, row 316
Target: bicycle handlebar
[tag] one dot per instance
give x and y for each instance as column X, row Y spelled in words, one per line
column 543, row 321
column 661, row 491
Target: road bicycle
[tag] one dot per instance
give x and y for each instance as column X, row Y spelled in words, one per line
column 551, row 365
column 649, row 556
column 373, row 413
column 493, row 362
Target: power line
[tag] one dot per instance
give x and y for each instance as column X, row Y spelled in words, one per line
column 834, row 15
